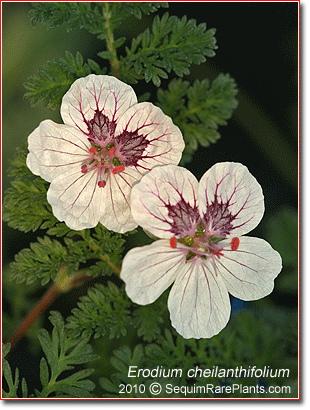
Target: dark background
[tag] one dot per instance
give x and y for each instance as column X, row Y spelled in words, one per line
column 258, row 47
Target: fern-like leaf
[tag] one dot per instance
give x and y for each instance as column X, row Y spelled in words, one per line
column 173, row 44
column 105, row 310
column 199, row 110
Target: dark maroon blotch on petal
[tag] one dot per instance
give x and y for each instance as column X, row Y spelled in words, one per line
column 218, row 218
column 131, row 146
column 100, row 127
column 185, row 218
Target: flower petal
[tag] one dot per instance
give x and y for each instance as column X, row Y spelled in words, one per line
column 76, row 198
column 54, row 149
column 147, row 137
column 198, row 302
column 117, row 216
column 231, row 199
column 164, row 202
column 149, row 270
column 249, row 271
column 94, row 95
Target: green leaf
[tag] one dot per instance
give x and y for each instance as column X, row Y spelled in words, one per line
column 103, row 311
column 172, row 45
column 62, row 354
column 12, row 385
column 25, row 206
column 53, row 80
column 41, row 261
column 75, row 15
column 44, row 373
column 149, row 319
column 46, row 344
column 137, row 8
column 6, row 347
column 89, row 15
column 107, row 385
column 199, row 110
column 49, row 85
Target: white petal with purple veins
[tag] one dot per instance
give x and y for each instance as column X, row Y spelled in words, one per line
column 149, row 270
column 117, row 216
column 231, row 199
column 198, row 302
column 147, row 137
column 164, row 201
column 107, row 143
column 249, row 271
column 76, row 199
column 55, row 148
column 96, row 94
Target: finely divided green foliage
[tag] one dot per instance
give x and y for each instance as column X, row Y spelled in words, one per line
column 25, row 205
column 104, row 311
column 12, row 384
column 62, row 354
column 96, row 253
column 171, row 45
column 89, row 15
column 53, row 80
column 198, row 110
column 41, row 261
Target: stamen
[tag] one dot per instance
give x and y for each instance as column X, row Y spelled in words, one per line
column 189, row 241
column 84, row 169
column 118, row 169
column 173, row 242
column 234, row 244
column 93, row 150
column 116, row 161
column 111, row 151
column 102, row 184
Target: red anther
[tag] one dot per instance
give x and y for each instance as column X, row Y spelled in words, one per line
column 92, row 150
column 102, row 184
column 111, row 151
column 173, row 242
column 234, row 244
column 84, row 169
column 118, row 169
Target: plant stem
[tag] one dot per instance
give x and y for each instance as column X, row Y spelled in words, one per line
column 62, row 284
column 46, row 300
column 110, row 40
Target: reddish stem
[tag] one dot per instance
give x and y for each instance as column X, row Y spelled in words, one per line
column 46, row 300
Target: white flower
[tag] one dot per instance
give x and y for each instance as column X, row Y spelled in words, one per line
column 203, row 252
column 107, row 142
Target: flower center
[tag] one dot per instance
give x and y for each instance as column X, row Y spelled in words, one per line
column 202, row 235
column 202, row 243
column 110, row 152
column 104, row 160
